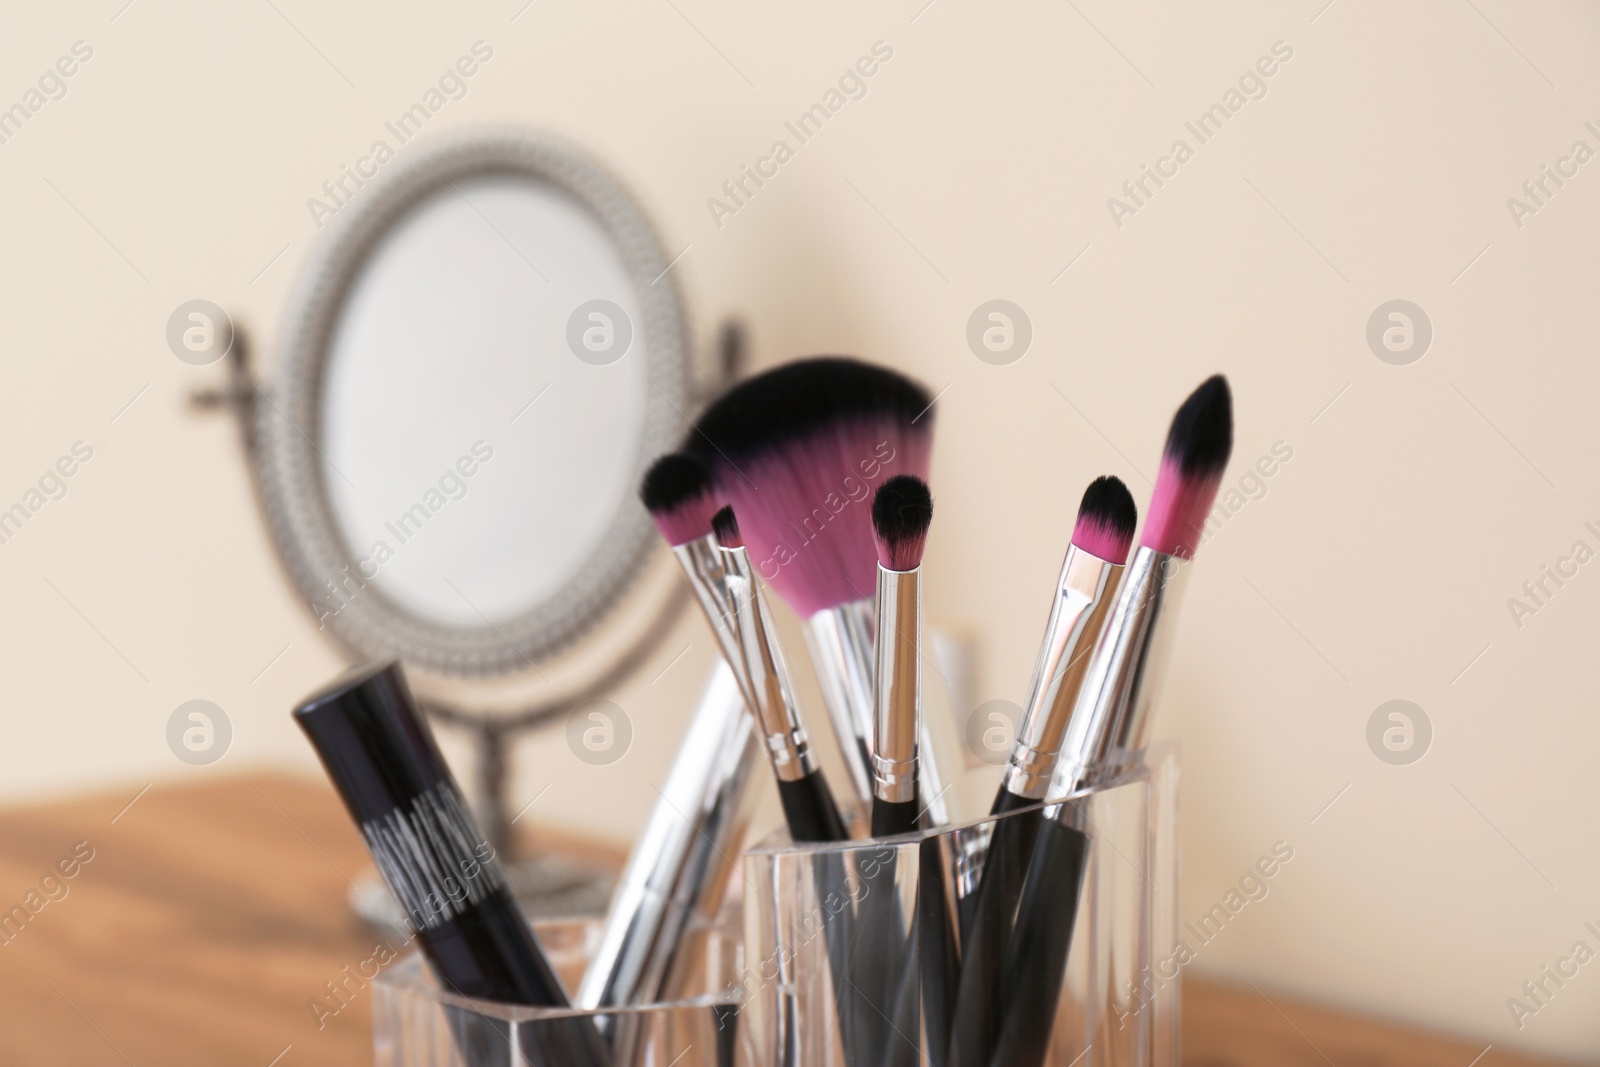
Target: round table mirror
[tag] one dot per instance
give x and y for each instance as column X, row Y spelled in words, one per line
column 486, row 350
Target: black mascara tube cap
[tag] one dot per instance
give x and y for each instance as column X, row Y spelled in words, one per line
column 376, row 748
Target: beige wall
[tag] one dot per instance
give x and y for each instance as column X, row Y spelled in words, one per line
column 1377, row 566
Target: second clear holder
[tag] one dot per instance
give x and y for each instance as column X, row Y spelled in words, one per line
column 851, row 949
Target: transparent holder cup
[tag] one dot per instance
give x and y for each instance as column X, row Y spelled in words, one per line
column 851, row 949
column 417, row 1024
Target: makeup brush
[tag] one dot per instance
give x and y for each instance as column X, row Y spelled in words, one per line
column 680, row 498
column 797, row 451
column 885, row 973
column 678, row 493
column 1111, row 719
column 1112, row 715
column 808, row 805
column 1078, row 609
column 902, row 510
column 1083, row 596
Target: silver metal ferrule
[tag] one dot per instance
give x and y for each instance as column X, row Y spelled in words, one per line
column 1084, row 596
column 1112, row 716
column 679, row 872
column 897, row 685
column 765, row 678
column 841, row 643
column 840, row 640
column 707, row 571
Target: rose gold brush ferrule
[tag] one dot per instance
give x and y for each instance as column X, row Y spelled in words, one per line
column 1084, row 596
column 1112, row 715
column 765, row 681
column 897, row 686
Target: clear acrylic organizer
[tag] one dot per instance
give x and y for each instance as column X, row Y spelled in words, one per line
column 850, row 948
column 416, row 1024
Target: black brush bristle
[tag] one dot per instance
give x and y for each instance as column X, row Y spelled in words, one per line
column 1107, row 503
column 1201, row 437
column 799, row 398
column 672, row 480
column 726, row 528
column 902, row 508
column 902, row 511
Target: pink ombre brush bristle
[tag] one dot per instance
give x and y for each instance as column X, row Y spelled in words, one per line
column 1106, row 520
column 798, row 451
column 1198, row 446
column 677, row 492
column 902, row 511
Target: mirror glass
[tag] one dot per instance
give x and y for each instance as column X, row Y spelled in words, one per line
column 484, row 399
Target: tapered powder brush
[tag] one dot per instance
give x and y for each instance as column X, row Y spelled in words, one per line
column 1081, row 602
column 798, row 451
column 1111, row 719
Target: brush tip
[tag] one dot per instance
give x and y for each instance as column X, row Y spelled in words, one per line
column 1106, row 520
column 1198, row 447
column 804, row 398
column 726, row 527
column 676, row 490
column 797, row 450
column 902, row 511
column 672, row 479
column 1201, row 437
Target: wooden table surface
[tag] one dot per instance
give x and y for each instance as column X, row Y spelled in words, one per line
column 207, row 918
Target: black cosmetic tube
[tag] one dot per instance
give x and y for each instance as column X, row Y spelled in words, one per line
column 385, row 764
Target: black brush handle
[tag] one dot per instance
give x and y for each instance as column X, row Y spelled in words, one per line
column 890, row 817
column 903, row 1043
column 838, row 931
column 727, row 1016
column 1036, row 959
column 813, row 818
column 883, row 965
column 1000, row 887
column 809, row 809
column 1005, row 802
column 873, row 940
column 938, row 951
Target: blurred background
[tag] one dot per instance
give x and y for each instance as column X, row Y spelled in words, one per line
column 1392, row 505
